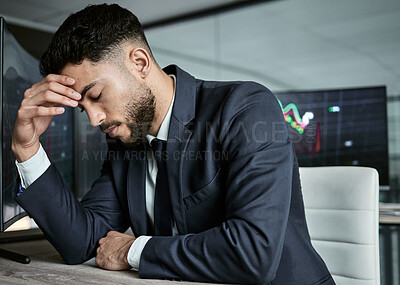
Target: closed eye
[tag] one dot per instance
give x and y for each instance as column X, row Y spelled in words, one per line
column 97, row 98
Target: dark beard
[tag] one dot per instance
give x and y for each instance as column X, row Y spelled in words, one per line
column 139, row 115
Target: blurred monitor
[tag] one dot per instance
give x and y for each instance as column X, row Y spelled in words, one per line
column 19, row 71
column 339, row 127
column 90, row 153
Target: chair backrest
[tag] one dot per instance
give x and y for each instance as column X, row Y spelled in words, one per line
column 342, row 213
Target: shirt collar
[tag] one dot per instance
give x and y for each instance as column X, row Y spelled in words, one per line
column 163, row 131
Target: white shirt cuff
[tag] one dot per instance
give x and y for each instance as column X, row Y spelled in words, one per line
column 33, row 168
column 136, row 251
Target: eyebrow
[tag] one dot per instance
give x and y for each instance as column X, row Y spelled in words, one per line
column 87, row 88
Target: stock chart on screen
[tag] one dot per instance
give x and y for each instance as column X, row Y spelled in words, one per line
column 339, row 127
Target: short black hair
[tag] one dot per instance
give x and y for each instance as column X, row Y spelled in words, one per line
column 92, row 33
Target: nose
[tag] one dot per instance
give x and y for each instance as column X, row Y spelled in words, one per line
column 96, row 117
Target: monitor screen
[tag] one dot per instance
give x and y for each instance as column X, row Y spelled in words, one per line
column 90, row 153
column 19, row 71
column 339, row 127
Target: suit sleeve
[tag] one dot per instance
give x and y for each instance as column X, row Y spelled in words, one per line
column 73, row 227
column 247, row 246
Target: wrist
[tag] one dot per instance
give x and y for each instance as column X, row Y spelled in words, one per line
column 127, row 247
column 23, row 153
column 135, row 251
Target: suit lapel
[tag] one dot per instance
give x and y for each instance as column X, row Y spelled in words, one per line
column 178, row 138
column 136, row 189
column 179, row 135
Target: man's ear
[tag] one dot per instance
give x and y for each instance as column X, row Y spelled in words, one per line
column 140, row 61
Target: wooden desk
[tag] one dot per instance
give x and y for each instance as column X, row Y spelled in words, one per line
column 47, row 267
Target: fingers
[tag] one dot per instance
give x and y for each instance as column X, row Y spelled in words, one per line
column 102, row 240
column 56, row 86
column 62, row 79
column 109, row 234
column 50, row 86
column 98, row 261
column 45, row 97
column 113, row 233
column 113, row 250
column 39, row 111
column 49, row 96
column 40, row 103
column 53, row 82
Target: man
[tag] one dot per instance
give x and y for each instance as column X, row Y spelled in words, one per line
column 220, row 203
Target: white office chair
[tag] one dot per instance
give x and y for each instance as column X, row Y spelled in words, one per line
column 342, row 213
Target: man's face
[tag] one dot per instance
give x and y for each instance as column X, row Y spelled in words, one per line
column 114, row 99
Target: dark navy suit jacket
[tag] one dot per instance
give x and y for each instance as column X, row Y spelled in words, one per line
column 235, row 191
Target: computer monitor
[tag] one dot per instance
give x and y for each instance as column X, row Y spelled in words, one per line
column 19, row 71
column 90, row 153
column 339, row 127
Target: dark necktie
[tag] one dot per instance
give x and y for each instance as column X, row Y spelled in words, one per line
column 162, row 200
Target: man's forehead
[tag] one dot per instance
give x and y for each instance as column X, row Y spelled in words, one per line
column 85, row 74
column 81, row 68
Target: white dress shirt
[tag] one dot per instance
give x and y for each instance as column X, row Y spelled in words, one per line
column 34, row 167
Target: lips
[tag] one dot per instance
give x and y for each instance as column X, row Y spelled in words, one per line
column 112, row 131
